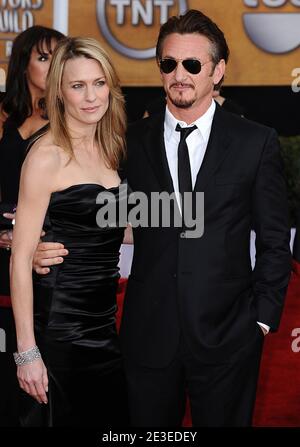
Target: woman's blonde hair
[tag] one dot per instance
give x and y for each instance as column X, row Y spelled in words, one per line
column 110, row 132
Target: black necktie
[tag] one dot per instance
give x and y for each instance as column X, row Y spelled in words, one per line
column 184, row 168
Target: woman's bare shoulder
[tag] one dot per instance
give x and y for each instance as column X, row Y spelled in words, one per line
column 45, row 154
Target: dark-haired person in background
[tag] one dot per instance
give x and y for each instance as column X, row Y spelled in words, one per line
column 22, row 116
column 195, row 314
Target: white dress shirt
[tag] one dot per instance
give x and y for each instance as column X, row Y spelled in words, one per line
column 196, row 142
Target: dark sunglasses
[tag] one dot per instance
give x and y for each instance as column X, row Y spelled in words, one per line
column 193, row 66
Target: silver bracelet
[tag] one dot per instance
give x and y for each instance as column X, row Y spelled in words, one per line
column 22, row 358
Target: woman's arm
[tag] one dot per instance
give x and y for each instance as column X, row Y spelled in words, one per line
column 37, row 182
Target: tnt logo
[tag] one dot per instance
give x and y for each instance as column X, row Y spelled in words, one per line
column 117, row 16
column 2, row 340
column 142, row 12
column 272, row 29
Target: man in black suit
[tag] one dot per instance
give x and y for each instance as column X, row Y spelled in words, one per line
column 195, row 314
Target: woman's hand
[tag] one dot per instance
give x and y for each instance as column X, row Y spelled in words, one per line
column 33, row 379
column 6, row 235
column 5, row 239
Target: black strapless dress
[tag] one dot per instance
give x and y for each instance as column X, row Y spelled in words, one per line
column 74, row 317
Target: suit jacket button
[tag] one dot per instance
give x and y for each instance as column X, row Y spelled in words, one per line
column 182, row 235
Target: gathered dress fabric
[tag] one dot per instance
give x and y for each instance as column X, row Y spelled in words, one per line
column 74, row 317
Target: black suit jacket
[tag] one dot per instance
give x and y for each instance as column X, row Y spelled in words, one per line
column 204, row 289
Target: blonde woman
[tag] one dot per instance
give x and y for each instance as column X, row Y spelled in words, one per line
column 68, row 355
column 22, row 117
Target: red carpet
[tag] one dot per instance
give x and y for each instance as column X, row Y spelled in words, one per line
column 278, row 395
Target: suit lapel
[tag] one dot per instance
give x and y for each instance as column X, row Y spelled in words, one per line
column 156, row 153
column 216, row 150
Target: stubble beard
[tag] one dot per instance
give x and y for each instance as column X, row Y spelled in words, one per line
column 180, row 102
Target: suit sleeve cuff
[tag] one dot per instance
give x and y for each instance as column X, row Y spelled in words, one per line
column 265, row 326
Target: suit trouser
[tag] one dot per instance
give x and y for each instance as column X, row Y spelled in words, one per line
column 220, row 394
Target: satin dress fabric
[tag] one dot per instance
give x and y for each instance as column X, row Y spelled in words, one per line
column 74, row 317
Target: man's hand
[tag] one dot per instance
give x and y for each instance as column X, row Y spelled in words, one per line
column 46, row 255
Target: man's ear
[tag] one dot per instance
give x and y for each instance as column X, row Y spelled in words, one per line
column 158, row 66
column 219, row 71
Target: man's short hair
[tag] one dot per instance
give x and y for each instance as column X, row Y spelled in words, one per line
column 195, row 22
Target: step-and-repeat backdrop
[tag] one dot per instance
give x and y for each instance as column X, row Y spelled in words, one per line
column 264, row 35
